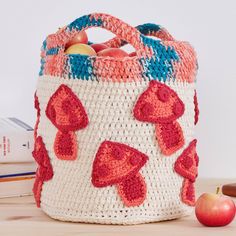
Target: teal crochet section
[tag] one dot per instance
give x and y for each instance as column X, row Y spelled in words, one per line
column 42, row 61
column 52, row 51
column 44, row 47
column 148, row 28
column 160, row 66
column 80, row 67
column 84, row 21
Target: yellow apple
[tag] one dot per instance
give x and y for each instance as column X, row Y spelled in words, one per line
column 80, row 48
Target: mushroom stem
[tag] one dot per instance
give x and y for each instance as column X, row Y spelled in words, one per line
column 169, row 136
column 65, row 145
column 132, row 190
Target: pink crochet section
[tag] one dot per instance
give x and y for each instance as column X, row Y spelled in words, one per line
column 126, row 70
column 117, row 27
column 162, row 34
column 55, row 64
column 60, row 38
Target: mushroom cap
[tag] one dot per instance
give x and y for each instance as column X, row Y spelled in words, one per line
column 66, row 111
column 158, row 104
column 187, row 163
column 116, row 162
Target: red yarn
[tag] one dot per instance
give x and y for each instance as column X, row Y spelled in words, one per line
column 163, row 94
column 187, row 163
column 196, row 109
column 65, row 145
column 36, row 106
column 117, row 163
column 44, row 171
column 170, row 137
column 66, row 111
column 188, row 192
column 133, row 190
column 158, row 104
column 37, row 188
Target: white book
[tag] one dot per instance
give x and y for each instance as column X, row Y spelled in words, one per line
column 16, row 168
column 16, row 188
column 16, row 141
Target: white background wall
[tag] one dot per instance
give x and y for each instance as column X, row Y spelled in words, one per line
column 208, row 24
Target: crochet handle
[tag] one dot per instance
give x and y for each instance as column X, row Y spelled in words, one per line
column 122, row 30
column 148, row 29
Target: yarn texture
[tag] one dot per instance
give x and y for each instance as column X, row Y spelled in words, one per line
column 114, row 137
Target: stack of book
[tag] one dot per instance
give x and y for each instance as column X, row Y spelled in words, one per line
column 17, row 166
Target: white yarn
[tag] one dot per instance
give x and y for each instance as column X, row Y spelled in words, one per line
column 70, row 195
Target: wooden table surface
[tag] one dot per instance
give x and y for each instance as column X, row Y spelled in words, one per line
column 19, row 216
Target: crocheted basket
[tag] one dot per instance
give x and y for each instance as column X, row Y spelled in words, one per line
column 114, row 136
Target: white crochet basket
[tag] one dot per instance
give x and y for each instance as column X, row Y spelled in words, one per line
column 114, row 138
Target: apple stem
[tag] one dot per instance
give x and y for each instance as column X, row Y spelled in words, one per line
column 217, row 190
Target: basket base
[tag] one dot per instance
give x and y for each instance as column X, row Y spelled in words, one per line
column 112, row 219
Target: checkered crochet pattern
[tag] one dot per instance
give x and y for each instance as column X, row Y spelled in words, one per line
column 114, row 137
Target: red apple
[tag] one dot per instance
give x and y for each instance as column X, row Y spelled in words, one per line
column 99, row 47
column 215, row 209
column 80, row 48
column 113, row 52
column 81, row 37
column 133, row 54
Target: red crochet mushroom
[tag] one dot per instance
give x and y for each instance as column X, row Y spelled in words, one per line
column 187, row 166
column 159, row 104
column 44, row 171
column 119, row 164
column 67, row 113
